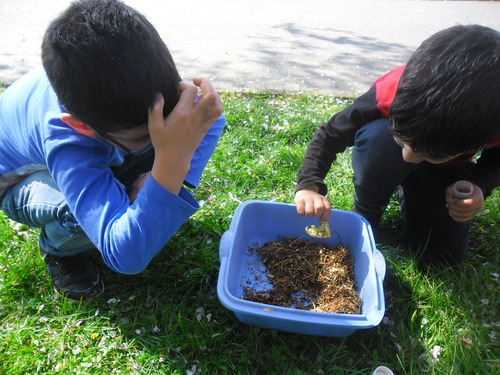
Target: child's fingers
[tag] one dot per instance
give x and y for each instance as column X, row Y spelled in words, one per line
column 198, row 81
column 461, row 212
column 209, row 98
column 305, row 206
column 309, row 203
column 208, row 92
column 155, row 114
column 208, row 107
column 325, row 215
column 461, row 218
column 317, row 207
column 309, row 208
column 186, row 99
column 300, row 207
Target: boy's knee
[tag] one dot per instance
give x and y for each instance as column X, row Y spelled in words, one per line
column 375, row 148
column 374, row 134
column 445, row 245
column 430, row 254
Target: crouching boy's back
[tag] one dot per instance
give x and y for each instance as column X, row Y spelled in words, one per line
column 96, row 147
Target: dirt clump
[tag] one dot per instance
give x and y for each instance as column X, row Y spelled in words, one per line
column 307, row 275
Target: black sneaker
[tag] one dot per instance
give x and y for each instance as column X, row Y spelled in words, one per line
column 75, row 276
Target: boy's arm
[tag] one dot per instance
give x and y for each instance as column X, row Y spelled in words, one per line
column 199, row 161
column 177, row 137
column 333, row 137
column 204, row 152
column 486, row 177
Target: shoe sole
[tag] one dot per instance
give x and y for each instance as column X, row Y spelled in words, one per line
column 81, row 299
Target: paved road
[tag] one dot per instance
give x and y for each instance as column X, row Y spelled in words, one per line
column 329, row 46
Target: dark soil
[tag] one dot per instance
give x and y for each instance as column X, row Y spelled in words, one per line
column 308, row 275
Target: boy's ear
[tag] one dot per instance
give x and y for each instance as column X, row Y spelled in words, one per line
column 79, row 126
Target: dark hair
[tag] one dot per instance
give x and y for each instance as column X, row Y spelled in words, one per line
column 448, row 98
column 106, row 63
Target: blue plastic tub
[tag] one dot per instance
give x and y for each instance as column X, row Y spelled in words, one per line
column 255, row 223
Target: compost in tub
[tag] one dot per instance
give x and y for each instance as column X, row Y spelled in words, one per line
column 256, row 223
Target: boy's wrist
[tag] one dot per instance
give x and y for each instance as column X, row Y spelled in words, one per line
column 169, row 174
column 313, row 187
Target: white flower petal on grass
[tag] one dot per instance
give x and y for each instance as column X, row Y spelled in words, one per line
column 466, row 341
column 200, row 313
column 387, row 321
column 234, row 198
column 436, row 351
column 485, row 301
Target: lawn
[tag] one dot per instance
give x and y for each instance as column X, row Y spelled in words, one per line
column 168, row 320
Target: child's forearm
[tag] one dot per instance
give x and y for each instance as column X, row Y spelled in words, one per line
column 177, row 137
column 169, row 174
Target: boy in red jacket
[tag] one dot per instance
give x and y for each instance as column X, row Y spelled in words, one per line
column 418, row 127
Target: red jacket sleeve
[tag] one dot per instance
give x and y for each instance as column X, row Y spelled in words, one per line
column 338, row 133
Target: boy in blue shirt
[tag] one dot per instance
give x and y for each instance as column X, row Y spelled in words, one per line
column 95, row 149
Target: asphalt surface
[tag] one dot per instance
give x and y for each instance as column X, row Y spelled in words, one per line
column 329, row 46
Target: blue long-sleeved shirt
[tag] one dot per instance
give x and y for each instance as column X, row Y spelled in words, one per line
column 33, row 138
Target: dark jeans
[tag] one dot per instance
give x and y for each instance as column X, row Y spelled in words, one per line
column 378, row 171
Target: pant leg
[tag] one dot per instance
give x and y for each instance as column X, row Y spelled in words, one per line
column 429, row 229
column 378, row 169
column 37, row 202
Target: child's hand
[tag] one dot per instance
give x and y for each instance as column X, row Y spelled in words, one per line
column 177, row 136
column 310, row 203
column 463, row 210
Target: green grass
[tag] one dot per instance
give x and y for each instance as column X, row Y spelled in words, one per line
column 168, row 319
